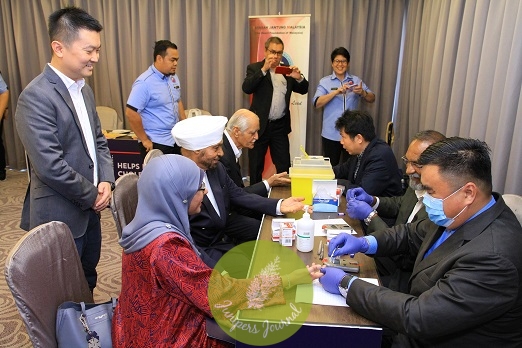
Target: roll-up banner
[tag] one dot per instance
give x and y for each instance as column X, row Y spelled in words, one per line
column 294, row 30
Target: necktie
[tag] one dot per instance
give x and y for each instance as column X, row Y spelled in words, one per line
column 357, row 166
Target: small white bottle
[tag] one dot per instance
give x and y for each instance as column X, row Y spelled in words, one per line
column 305, row 232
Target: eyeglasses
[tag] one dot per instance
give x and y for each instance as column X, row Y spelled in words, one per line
column 277, row 53
column 413, row 163
column 203, row 187
column 339, row 61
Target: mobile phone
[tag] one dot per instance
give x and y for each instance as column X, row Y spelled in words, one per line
column 283, row 69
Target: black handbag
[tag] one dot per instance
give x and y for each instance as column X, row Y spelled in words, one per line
column 85, row 324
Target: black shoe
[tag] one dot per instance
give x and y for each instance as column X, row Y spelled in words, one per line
column 2, row 175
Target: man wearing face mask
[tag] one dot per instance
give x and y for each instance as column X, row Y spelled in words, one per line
column 466, row 285
column 395, row 271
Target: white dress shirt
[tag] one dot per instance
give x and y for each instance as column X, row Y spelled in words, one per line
column 210, row 194
column 418, row 205
column 75, row 90
column 277, row 108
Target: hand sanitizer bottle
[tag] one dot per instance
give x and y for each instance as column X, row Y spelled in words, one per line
column 305, row 232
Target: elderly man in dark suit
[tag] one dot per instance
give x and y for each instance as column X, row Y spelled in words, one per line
column 71, row 167
column 242, row 132
column 271, row 102
column 214, row 229
column 395, row 271
column 466, row 285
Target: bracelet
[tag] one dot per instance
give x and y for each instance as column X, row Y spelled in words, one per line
column 369, row 217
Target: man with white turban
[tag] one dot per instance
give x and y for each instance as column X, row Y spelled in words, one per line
column 215, row 229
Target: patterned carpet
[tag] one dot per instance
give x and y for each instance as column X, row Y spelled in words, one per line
column 12, row 192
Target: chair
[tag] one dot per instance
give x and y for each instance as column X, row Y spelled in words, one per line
column 514, row 202
column 108, row 117
column 196, row 112
column 43, row 270
column 124, row 200
column 150, row 155
column 390, row 134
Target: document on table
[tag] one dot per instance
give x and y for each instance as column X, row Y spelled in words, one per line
column 323, row 297
column 318, row 228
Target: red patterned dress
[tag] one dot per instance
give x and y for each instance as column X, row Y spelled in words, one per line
column 163, row 300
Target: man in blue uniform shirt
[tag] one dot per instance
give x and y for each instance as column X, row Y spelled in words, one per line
column 337, row 93
column 154, row 105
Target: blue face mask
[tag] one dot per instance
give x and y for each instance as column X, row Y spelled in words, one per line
column 435, row 209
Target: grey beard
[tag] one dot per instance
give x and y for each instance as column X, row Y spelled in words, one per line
column 416, row 187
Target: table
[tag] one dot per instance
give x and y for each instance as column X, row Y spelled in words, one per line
column 125, row 155
column 331, row 326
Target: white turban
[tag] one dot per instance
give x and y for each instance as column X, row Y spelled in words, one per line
column 199, row 132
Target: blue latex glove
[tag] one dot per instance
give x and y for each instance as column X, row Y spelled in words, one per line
column 358, row 209
column 331, row 279
column 346, row 244
column 359, row 194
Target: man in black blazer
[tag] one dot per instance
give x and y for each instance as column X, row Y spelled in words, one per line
column 466, row 285
column 395, row 271
column 372, row 164
column 271, row 102
column 214, row 229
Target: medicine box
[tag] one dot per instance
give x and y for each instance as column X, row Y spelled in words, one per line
column 286, row 233
column 304, row 171
column 289, row 225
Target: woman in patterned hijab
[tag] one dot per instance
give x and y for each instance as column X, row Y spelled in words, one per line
column 164, row 299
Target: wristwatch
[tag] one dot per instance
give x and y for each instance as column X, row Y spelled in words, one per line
column 370, row 217
column 113, row 185
column 343, row 285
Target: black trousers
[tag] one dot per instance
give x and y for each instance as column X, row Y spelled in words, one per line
column 334, row 150
column 276, row 138
column 89, row 248
column 176, row 150
column 239, row 229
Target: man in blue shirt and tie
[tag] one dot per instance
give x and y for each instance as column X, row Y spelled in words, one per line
column 466, row 285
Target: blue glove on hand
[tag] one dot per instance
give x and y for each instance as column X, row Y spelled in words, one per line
column 331, row 279
column 358, row 209
column 359, row 194
column 346, row 244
